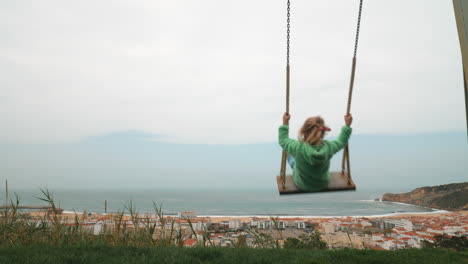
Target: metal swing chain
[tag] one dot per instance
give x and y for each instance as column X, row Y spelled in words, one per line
column 346, row 161
column 358, row 28
column 284, row 155
column 288, row 31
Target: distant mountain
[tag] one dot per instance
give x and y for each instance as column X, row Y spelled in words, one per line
column 451, row 197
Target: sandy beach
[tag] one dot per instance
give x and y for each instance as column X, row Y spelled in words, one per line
column 246, row 219
column 218, row 219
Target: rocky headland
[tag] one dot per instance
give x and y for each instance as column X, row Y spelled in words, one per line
column 452, row 197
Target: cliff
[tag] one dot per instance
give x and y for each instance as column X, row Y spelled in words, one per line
column 451, row 197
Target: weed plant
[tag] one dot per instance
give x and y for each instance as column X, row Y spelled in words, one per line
column 124, row 228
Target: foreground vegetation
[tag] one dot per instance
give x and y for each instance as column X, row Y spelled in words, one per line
column 52, row 240
column 118, row 254
column 126, row 228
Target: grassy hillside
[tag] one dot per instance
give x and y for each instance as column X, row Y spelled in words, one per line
column 106, row 254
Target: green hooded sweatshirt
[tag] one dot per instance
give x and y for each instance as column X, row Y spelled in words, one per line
column 310, row 171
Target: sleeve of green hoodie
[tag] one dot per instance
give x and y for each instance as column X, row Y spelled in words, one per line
column 289, row 145
column 342, row 140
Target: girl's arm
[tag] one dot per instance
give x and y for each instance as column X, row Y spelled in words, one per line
column 342, row 140
column 289, row 145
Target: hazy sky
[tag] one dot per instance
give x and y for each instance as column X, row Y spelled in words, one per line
column 95, row 94
column 130, row 160
column 213, row 71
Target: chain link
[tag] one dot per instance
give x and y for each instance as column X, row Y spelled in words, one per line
column 288, row 31
column 353, row 68
column 357, row 30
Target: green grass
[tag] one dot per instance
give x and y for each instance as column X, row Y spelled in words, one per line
column 107, row 254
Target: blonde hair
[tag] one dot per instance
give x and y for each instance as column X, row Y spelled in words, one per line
column 310, row 132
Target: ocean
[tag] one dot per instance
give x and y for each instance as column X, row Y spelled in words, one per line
column 225, row 202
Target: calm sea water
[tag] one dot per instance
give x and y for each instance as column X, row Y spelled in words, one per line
column 226, row 202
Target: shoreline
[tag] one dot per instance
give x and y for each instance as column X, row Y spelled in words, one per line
column 431, row 211
column 339, row 216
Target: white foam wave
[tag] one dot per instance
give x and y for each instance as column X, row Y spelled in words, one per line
column 321, row 216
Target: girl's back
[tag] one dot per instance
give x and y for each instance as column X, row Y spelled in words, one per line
column 312, row 154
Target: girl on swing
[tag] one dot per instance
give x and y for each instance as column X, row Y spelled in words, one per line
column 310, row 156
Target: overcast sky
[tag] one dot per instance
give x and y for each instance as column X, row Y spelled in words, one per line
column 213, row 71
column 85, row 85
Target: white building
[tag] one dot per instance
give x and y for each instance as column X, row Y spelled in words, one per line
column 235, row 224
column 406, row 224
column 200, row 224
column 186, row 215
column 292, row 223
column 300, row 224
column 254, row 221
column 98, row 228
column 453, row 229
column 436, row 230
column 264, row 224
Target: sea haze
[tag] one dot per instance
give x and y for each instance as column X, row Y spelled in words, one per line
column 135, row 160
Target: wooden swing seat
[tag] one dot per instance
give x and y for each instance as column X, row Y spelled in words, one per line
column 338, row 182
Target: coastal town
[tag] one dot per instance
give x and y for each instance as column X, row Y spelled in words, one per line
column 380, row 233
